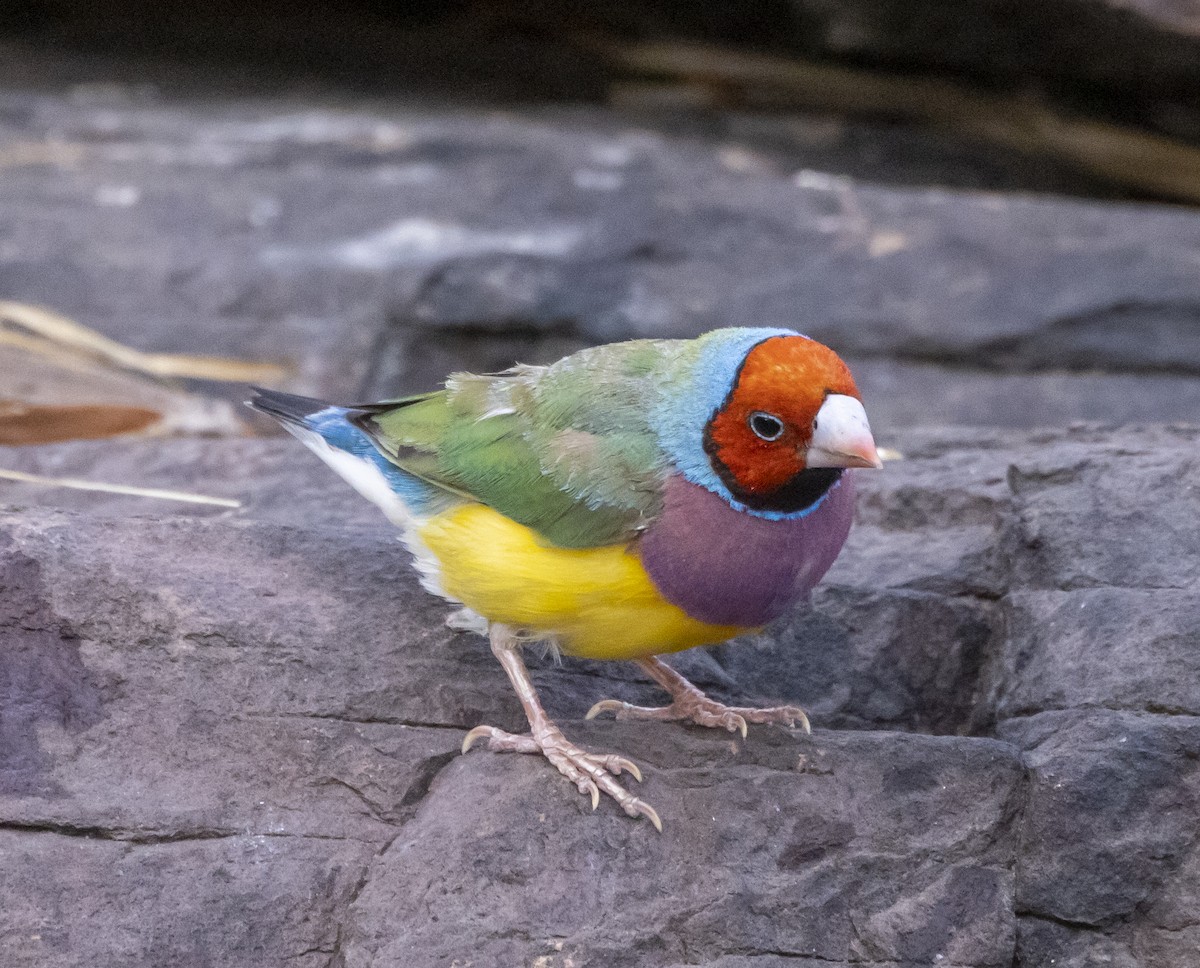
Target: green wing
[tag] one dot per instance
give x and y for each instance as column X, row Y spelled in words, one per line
column 566, row 450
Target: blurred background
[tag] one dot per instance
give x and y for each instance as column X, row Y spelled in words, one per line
column 987, row 207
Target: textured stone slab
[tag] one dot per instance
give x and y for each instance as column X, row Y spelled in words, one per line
column 241, row 901
column 1110, row 866
column 1114, row 647
column 1110, row 513
column 901, row 859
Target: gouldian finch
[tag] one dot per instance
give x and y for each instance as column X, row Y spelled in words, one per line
column 627, row 501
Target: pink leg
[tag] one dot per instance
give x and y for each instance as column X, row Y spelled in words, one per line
column 689, row 703
column 592, row 773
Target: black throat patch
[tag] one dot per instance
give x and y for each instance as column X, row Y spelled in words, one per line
column 798, row 494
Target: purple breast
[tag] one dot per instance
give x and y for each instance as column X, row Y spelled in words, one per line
column 728, row 567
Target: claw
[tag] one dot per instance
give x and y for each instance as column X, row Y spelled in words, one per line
column 652, row 815
column 639, row 808
column 618, row 764
column 477, row 733
column 739, row 723
column 605, row 705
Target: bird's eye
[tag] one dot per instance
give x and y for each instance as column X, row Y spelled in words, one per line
column 766, row 426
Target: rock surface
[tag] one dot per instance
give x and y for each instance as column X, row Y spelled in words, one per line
column 252, row 717
column 342, row 240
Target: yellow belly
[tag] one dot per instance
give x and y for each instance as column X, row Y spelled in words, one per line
column 598, row 603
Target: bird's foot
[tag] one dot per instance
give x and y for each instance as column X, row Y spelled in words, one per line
column 690, row 704
column 695, row 707
column 592, row 773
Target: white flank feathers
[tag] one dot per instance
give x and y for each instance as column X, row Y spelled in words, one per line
column 366, row 478
column 359, row 473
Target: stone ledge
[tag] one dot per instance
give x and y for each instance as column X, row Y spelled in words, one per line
column 192, row 680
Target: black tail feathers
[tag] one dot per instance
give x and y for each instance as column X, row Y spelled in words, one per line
column 285, row 407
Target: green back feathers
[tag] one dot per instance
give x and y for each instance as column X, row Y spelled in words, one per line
column 567, row 450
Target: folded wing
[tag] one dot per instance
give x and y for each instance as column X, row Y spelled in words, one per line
column 566, row 450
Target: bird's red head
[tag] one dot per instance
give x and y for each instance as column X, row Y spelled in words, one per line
column 769, row 428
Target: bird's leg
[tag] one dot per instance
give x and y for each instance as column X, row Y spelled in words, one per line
column 592, row 773
column 689, row 703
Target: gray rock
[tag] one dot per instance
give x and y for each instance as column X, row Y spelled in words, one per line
column 343, row 241
column 198, row 696
column 1141, row 485
column 895, row 863
column 1109, row 865
column 77, row 897
column 903, row 394
column 1127, row 648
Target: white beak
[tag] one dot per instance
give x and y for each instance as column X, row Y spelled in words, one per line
column 841, row 435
